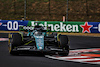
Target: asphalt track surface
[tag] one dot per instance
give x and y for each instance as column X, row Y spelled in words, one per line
column 7, row 60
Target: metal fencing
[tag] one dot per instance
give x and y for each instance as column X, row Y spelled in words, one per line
column 50, row 10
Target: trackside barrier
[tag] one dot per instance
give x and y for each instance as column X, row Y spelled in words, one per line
column 56, row 26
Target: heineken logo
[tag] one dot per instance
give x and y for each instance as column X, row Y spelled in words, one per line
column 59, row 27
column 66, row 27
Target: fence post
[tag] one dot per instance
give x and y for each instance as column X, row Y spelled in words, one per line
column 63, row 18
column 24, row 9
column 14, row 6
column 49, row 10
column 67, row 12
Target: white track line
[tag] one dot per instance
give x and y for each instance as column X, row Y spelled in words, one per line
column 69, row 57
column 78, row 58
column 85, row 50
column 84, row 60
column 74, row 59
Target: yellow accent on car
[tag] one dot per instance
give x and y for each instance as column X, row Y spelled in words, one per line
column 9, row 49
column 8, row 41
column 9, row 35
column 9, row 46
column 21, row 35
column 28, row 42
column 58, row 37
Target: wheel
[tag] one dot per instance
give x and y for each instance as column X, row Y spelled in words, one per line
column 64, row 44
column 11, row 50
column 15, row 41
column 63, row 40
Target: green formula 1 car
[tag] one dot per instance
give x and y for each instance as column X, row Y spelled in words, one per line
column 37, row 39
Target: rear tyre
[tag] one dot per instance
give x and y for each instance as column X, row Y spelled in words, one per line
column 64, row 44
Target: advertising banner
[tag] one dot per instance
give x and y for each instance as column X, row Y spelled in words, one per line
column 80, row 27
column 12, row 25
column 56, row 26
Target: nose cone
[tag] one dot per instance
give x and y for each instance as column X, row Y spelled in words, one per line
column 39, row 42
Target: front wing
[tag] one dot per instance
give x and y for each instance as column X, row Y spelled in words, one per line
column 32, row 49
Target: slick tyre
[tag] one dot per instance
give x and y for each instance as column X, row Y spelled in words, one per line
column 11, row 50
column 64, row 44
column 10, row 44
column 15, row 41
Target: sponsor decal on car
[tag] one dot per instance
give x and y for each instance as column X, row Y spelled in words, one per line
column 23, row 48
column 28, row 28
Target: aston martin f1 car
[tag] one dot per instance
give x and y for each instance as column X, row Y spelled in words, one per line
column 37, row 39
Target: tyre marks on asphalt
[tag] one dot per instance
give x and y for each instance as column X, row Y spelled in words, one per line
column 82, row 56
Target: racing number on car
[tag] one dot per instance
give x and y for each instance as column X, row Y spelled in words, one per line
column 12, row 25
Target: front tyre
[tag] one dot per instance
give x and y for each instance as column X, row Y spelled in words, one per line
column 15, row 41
column 11, row 46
